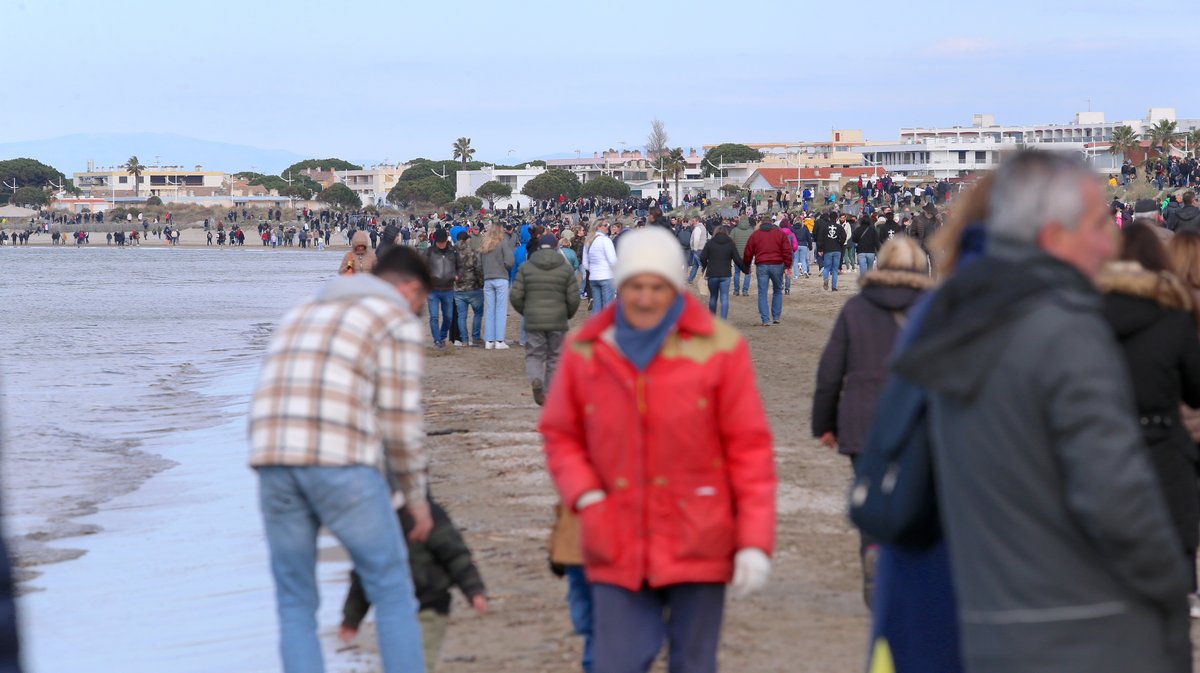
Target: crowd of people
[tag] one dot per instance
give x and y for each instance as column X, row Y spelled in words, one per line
column 1035, row 343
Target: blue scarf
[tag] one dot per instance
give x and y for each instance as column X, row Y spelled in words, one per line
column 641, row 345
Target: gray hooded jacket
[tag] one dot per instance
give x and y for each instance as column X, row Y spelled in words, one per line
column 1063, row 554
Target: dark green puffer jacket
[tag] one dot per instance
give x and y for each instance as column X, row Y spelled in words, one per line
column 546, row 292
column 740, row 234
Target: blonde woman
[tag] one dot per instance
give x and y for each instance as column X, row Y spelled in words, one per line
column 496, row 258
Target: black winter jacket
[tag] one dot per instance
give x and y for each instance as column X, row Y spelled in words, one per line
column 1186, row 217
column 866, row 238
column 442, row 561
column 718, row 257
column 1151, row 317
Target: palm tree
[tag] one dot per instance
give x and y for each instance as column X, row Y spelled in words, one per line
column 134, row 168
column 671, row 164
column 1161, row 134
column 1123, row 140
column 463, row 150
column 1193, row 142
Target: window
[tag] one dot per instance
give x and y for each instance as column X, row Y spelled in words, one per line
column 123, row 179
column 981, row 157
column 962, row 156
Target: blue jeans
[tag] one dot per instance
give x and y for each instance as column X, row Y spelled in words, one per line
column 772, row 273
column 693, row 265
column 440, row 301
column 354, row 504
column 579, row 602
column 495, row 307
column 632, row 625
column 800, row 261
column 472, row 299
column 866, row 262
column 830, row 265
column 718, row 290
column 603, row 294
column 744, row 279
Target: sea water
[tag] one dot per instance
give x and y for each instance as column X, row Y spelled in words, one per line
column 104, row 349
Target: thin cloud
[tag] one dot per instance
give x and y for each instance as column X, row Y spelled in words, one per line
column 962, row 46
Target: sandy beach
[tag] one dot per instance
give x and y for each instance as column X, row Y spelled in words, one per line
column 176, row 577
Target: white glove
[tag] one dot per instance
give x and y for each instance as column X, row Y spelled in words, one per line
column 751, row 568
column 589, row 498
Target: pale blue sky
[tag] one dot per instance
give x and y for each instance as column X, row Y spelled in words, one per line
column 375, row 79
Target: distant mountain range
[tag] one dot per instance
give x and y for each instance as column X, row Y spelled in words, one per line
column 72, row 153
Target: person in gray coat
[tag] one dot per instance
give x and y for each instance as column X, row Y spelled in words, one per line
column 1062, row 551
column 546, row 293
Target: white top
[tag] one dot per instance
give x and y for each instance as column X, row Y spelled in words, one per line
column 699, row 237
column 599, row 258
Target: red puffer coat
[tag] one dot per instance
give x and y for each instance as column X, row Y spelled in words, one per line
column 682, row 450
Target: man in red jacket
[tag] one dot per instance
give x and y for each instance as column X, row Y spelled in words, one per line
column 771, row 251
column 655, row 435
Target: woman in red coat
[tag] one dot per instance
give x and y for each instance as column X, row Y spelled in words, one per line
column 656, row 436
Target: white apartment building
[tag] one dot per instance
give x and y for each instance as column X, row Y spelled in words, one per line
column 515, row 178
column 372, row 184
column 949, row 152
column 162, row 181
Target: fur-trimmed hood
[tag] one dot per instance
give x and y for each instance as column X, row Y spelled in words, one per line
column 1137, row 299
column 1130, row 278
column 917, row 281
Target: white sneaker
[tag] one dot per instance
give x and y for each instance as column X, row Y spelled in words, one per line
column 458, row 344
column 489, row 345
column 1194, row 606
column 501, row 346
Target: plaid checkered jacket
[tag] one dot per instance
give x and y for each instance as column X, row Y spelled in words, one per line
column 341, row 385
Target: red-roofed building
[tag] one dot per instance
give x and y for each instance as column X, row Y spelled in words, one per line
column 773, row 179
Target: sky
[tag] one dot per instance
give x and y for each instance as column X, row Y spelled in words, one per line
column 392, row 80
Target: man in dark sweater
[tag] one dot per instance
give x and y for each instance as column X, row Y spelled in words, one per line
column 830, row 235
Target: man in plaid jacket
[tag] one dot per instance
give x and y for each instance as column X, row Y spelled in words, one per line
column 335, row 428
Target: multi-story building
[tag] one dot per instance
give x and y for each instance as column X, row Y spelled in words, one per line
column 468, row 182
column 948, row 152
column 372, row 184
column 161, row 181
column 625, row 165
column 844, row 148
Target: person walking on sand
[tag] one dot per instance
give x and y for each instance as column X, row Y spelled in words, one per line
column 338, row 397
column 360, row 258
column 546, row 294
column 599, row 257
column 444, row 266
column 1060, row 543
column 655, row 435
column 771, row 252
column 740, row 234
column 497, row 260
column 853, row 366
column 718, row 259
column 468, row 291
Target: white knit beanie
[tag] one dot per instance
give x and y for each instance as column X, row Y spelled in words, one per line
column 651, row 249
